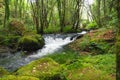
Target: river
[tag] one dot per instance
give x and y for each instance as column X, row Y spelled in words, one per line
column 53, row 43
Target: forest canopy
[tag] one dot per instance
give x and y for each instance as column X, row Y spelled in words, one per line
column 48, row 16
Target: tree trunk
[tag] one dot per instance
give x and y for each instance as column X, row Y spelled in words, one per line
column 61, row 10
column 104, row 4
column 99, row 16
column 118, row 40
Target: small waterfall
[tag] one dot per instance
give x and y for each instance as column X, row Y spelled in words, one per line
column 53, row 43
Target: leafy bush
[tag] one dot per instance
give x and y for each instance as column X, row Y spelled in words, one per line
column 92, row 25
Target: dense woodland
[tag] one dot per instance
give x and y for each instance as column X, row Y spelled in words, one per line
column 59, row 15
column 90, row 57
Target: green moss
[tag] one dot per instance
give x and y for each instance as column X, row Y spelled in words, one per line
column 3, row 72
column 45, row 69
column 100, row 67
column 92, row 25
column 104, row 62
column 89, row 73
column 31, row 42
column 12, row 77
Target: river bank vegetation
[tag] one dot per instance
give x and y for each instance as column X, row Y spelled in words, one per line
column 91, row 56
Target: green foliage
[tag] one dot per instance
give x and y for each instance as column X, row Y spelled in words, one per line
column 44, row 69
column 52, row 29
column 98, row 67
column 64, row 57
column 68, row 29
column 10, row 41
column 84, row 23
column 12, row 77
column 87, row 67
column 3, row 72
column 31, row 42
column 1, row 13
column 92, row 25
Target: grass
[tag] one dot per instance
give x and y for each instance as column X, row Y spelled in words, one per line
column 64, row 57
column 86, row 67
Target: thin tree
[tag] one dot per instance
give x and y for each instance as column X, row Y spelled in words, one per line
column 7, row 12
column 118, row 40
column 61, row 5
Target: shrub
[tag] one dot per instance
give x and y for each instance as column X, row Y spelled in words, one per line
column 16, row 27
column 91, row 25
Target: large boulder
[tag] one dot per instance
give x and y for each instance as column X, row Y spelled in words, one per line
column 31, row 42
column 44, row 69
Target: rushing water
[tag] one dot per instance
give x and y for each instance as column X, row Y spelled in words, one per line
column 53, row 43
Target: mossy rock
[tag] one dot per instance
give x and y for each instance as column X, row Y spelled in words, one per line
column 16, row 27
column 3, row 72
column 44, row 69
column 31, row 42
column 12, row 77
